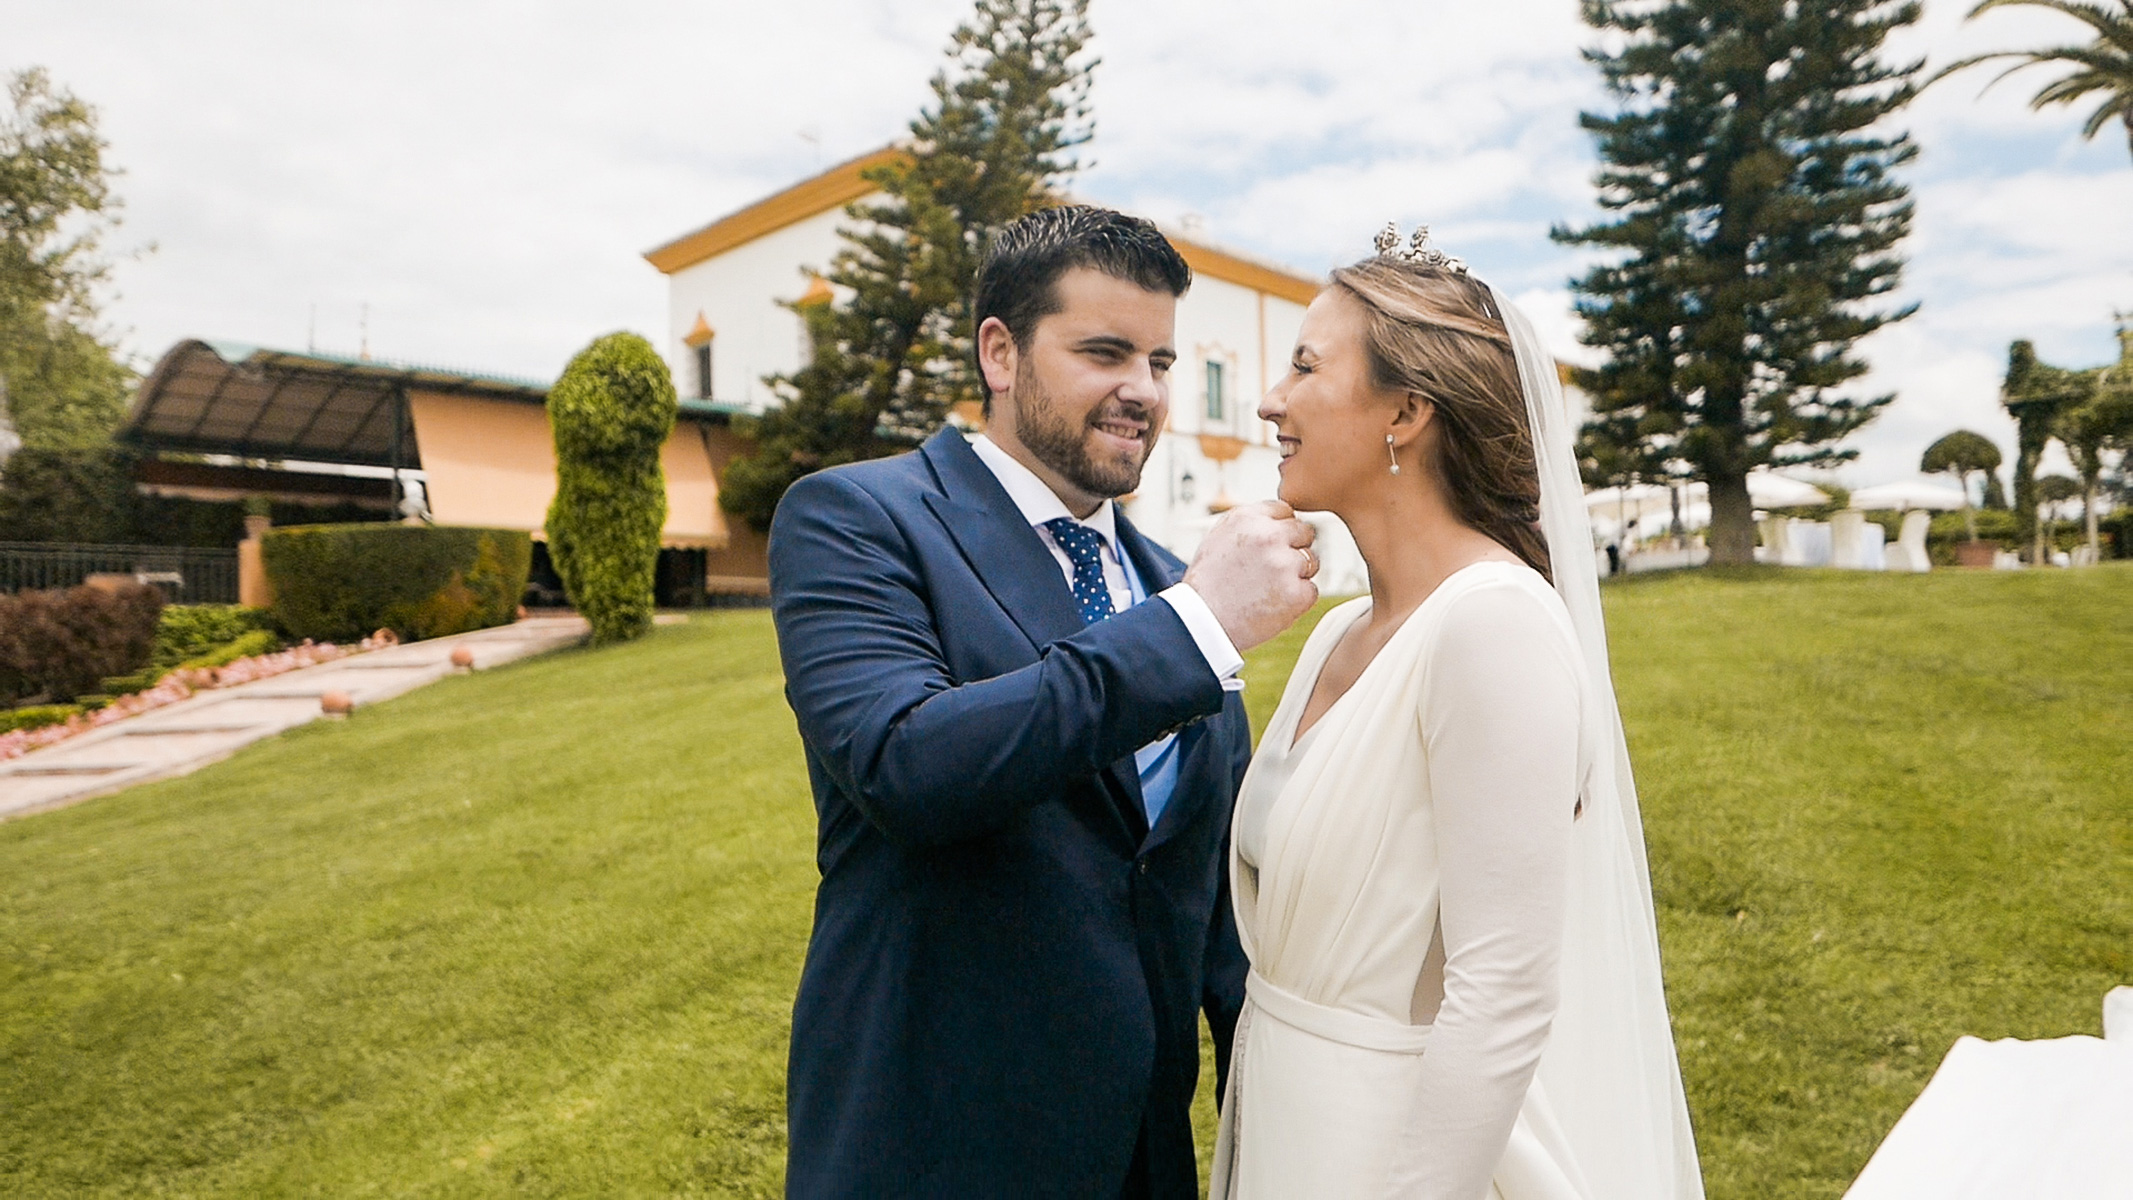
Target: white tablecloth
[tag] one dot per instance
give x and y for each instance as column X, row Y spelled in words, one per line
column 2049, row 1119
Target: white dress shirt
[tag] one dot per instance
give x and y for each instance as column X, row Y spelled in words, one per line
column 1038, row 504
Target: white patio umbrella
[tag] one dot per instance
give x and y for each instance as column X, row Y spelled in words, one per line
column 1659, row 524
column 1631, row 501
column 1901, row 496
column 1766, row 490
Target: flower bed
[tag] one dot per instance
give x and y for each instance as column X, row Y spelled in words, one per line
column 181, row 684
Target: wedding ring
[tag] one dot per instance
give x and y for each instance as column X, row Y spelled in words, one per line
column 1310, row 563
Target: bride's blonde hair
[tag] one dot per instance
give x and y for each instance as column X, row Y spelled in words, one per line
column 1436, row 333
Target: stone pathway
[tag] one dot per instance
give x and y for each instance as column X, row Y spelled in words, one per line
column 213, row 725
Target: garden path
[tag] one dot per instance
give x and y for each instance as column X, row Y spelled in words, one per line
column 212, row 725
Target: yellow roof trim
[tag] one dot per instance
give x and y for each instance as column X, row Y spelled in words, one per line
column 818, row 292
column 845, row 182
column 834, row 188
column 1222, row 265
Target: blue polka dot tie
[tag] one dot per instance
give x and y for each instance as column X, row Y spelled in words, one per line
column 1085, row 549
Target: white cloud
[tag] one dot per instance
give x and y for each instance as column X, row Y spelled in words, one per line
column 485, row 175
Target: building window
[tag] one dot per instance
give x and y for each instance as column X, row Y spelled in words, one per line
column 1216, row 391
column 703, row 371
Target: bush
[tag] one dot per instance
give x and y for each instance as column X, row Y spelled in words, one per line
column 188, row 631
column 339, row 583
column 188, row 635
column 60, row 643
column 37, row 716
column 611, row 412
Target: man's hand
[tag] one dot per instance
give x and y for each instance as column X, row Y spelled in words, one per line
column 1254, row 571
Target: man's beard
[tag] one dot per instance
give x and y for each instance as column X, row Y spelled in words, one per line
column 1062, row 444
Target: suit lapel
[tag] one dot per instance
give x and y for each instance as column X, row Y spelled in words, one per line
column 1007, row 555
column 1020, row 572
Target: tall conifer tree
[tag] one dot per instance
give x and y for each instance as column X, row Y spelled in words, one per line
column 1752, row 195
column 893, row 354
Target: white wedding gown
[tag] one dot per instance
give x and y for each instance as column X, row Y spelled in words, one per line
column 1399, row 876
column 1456, row 989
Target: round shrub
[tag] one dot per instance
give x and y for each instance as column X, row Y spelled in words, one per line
column 611, row 412
column 60, row 643
column 339, row 583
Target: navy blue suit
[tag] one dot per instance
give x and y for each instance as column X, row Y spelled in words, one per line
column 1002, row 986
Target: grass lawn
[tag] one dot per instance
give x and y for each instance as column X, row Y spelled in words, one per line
column 536, row 930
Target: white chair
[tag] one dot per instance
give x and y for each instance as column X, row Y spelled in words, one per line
column 1909, row 552
column 1774, row 545
column 1847, row 540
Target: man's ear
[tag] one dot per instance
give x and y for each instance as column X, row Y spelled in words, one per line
column 997, row 355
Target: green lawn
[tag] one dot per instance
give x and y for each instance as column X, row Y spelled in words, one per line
column 536, row 930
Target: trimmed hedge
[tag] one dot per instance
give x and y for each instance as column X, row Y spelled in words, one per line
column 60, row 643
column 611, row 411
column 339, row 583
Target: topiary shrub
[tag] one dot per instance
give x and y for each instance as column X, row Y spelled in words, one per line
column 611, row 412
column 338, row 583
column 58, row 644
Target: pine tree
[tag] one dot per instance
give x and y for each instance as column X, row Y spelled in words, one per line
column 893, row 355
column 1754, row 203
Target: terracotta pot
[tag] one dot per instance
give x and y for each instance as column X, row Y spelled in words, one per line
column 1976, row 554
column 463, row 657
column 336, row 704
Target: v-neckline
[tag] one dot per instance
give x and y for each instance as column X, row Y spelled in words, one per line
column 1297, row 732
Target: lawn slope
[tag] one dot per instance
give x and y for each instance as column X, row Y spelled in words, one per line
column 536, row 930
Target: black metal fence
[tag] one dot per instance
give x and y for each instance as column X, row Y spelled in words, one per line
column 187, row 574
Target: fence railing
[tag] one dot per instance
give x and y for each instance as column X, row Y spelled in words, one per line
column 187, row 574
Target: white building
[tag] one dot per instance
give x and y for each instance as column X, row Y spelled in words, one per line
column 727, row 328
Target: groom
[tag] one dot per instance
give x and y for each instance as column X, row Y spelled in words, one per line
column 1024, row 739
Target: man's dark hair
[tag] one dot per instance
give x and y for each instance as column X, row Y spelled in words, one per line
column 1019, row 280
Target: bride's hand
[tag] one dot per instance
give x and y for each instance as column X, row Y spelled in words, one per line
column 1254, row 571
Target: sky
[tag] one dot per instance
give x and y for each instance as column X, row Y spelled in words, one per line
column 474, row 183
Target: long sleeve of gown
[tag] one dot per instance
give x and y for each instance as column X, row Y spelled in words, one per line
column 1500, row 723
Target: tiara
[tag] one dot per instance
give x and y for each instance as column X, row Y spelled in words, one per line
column 1417, row 251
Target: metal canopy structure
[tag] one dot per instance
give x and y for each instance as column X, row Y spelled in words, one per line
column 259, row 403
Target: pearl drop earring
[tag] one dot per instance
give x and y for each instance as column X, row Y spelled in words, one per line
column 1392, row 454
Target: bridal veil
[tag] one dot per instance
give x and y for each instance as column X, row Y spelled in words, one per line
column 1609, row 1069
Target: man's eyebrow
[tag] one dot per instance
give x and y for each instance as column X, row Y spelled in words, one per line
column 1105, row 341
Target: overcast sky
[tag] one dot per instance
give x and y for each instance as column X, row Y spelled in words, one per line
column 486, row 176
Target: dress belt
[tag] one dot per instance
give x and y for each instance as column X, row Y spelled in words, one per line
column 1343, row 1025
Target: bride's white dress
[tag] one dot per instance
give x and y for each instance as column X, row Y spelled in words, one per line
column 1399, row 877
column 1456, row 990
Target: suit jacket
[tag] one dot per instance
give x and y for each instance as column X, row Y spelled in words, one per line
column 1001, row 987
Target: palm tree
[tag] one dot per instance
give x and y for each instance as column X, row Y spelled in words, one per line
column 2103, row 66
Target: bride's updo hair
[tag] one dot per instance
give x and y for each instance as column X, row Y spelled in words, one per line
column 1437, row 333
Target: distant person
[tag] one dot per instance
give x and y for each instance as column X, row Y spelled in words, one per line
column 1437, row 864
column 1614, row 558
column 1024, row 741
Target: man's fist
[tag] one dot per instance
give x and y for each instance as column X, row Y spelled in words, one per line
column 1254, row 571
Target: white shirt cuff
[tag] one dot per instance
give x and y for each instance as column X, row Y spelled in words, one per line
column 1215, row 646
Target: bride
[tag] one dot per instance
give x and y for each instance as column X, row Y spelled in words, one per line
column 1437, row 865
